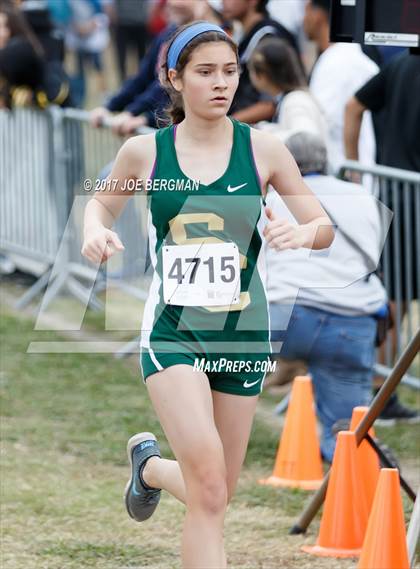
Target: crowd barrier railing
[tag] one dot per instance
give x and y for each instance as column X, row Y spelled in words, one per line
column 399, row 269
column 45, row 157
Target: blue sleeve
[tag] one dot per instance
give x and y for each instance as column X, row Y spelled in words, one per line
column 153, row 98
column 134, row 85
column 146, row 75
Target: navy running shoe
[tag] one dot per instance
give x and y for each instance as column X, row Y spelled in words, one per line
column 140, row 499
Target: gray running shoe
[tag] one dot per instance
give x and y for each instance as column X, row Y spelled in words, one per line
column 140, row 499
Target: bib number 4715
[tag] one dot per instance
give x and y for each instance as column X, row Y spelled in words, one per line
column 177, row 271
column 201, row 274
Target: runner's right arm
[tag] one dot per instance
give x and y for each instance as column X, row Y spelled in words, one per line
column 101, row 212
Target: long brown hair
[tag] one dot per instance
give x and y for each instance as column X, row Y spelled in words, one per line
column 175, row 113
column 18, row 26
column 274, row 58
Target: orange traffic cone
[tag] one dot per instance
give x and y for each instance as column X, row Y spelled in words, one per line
column 385, row 544
column 367, row 457
column 298, row 462
column 345, row 514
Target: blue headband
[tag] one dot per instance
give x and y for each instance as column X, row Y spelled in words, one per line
column 184, row 38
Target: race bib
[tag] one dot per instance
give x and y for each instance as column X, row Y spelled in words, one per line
column 205, row 274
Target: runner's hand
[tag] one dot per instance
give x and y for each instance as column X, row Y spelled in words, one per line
column 280, row 234
column 100, row 245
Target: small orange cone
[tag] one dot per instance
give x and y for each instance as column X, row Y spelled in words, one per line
column 367, row 457
column 298, row 462
column 345, row 514
column 385, row 544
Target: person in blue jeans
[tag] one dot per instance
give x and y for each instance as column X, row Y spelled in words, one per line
column 324, row 305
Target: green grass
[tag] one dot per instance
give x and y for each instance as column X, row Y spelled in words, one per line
column 65, row 422
column 73, row 400
column 403, row 438
column 88, row 554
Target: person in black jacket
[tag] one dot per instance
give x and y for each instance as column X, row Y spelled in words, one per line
column 249, row 105
column 31, row 56
column 393, row 90
column 394, row 93
column 21, row 59
column 56, row 83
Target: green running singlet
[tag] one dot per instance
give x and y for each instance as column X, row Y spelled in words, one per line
column 230, row 343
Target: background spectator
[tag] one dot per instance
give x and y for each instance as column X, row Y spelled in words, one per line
column 38, row 16
column 131, row 31
column 21, row 59
column 289, row 13
column 275, row 69
column 332, row 326
column 340, row 70
column 390, row 92
column 88, row 36
column 157, row 20
column 56, row 83
column 382, row 54
column 60, row 13
column 249, row 105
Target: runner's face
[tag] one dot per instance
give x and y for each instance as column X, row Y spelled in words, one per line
column 210, row 80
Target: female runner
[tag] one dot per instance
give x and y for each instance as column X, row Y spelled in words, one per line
column 206, row 305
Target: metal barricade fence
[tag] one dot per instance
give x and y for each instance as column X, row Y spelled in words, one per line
column 45, row 157
column 96, row 151
column 29, row 194
column 398, row 190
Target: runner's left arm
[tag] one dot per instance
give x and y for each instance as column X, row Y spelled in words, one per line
column 314, row 229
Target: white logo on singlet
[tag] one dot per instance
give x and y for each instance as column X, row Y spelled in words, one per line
column 234, row 188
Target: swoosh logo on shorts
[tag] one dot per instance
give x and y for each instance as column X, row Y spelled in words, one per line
column 235, row 188
column 246, row 384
